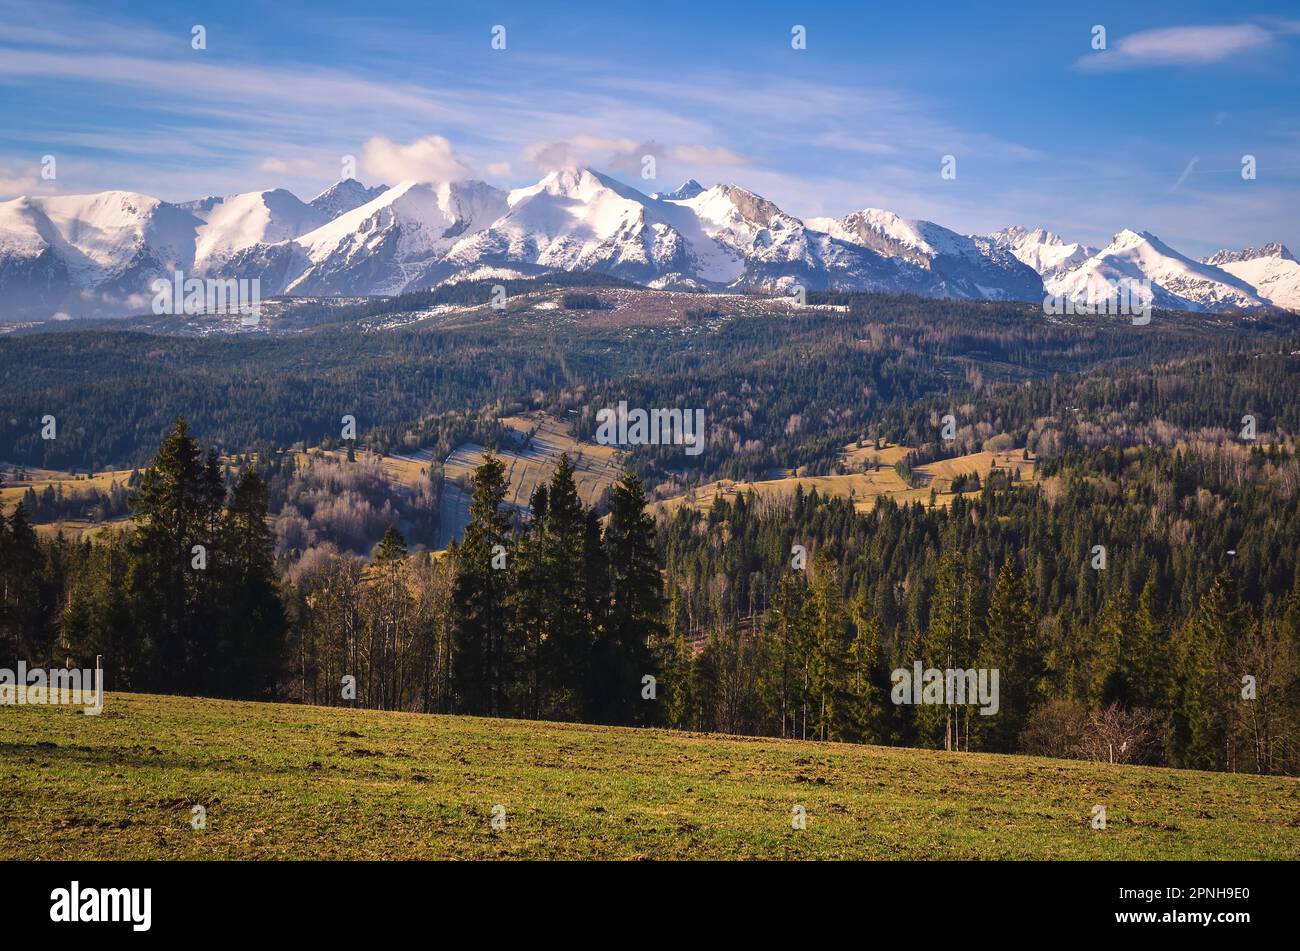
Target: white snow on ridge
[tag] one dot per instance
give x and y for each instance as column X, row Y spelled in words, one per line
column 395, row 236
column 101, row 234
column 1177, row 281
column 579, row 219
column 687, row 189
column 1045, row 252
column 343, row 196
column 353, row 240
column 1271, row 270
column 253, row 218
column 567, row 217
column 917, row 239
column 24, row 229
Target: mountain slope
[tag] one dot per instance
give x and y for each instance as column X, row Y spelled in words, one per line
column 577, row 791
column 1177, row 281
column 389, row 243
column 1271, row 270
column 686, row 190
column 343, row 196
column 242, row 221
column 577, row 219
column 95, row 252
column 1042, row 250
column 937, row 262
column 774, row 249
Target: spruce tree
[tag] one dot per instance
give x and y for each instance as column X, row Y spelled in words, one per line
column 1210, row 684
column 1012, row 648
column 628, row 645
column 391, row 547
column 788, row 632
column 480, row 666
column 171, row 586
column 25, row 594
column 566, row 624
column 251, row 643
column 941, row 647
column 828, row 685
column 528, row 606
column 864, row 677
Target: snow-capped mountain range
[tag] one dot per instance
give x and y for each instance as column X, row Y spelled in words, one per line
column 97, row 255
column 1271, row 270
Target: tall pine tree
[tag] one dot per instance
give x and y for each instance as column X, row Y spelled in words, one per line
column 480, row 659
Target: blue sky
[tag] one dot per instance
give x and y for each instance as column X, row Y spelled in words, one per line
column 1147, row 134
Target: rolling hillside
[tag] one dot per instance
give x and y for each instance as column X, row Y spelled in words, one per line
column 867, row 487
column 282, row 781
column 542, row 440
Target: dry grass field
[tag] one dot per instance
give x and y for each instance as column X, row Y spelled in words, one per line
column 542, row 439
column 865, row 488
column 12, row 490
column 72, row 485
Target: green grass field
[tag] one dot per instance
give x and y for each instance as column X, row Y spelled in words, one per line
column 290, row 782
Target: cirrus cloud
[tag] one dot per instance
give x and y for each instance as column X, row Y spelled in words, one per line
column 1187, row 45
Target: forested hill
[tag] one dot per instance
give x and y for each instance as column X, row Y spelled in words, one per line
column 115, row 393
column 1123, row 592
column 1141, row 604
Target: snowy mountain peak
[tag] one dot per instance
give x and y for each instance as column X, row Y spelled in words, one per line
column 1273, row 249
column 343, row 196
column 888, row 233
column 1020, row 235
column 241, row 221
column 1271, row 270
column 387, row 244
column 684, row 192
column 571, row 182
column 935, row 259
column 1044, row 251
column 201, row 206
column 756, row 208
column 97, row 254
column 1128, row 238
column 103, row 232
column 1176, row 280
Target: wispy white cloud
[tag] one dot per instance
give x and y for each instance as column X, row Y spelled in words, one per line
column 1188, row 45
column 17, row 178
column 180, row 123
column 1187, row 171
column 288, row 118
column 574, row 150
column 276, row 165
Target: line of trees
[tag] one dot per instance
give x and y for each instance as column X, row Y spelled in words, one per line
column 186, row 602
column 558, row 617
column 1180, row 646
column 53, row 504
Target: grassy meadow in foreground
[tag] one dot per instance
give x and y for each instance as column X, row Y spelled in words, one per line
column 290, row 782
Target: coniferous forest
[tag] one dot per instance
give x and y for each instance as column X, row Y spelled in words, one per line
column 788, row 617
column 619, row 433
